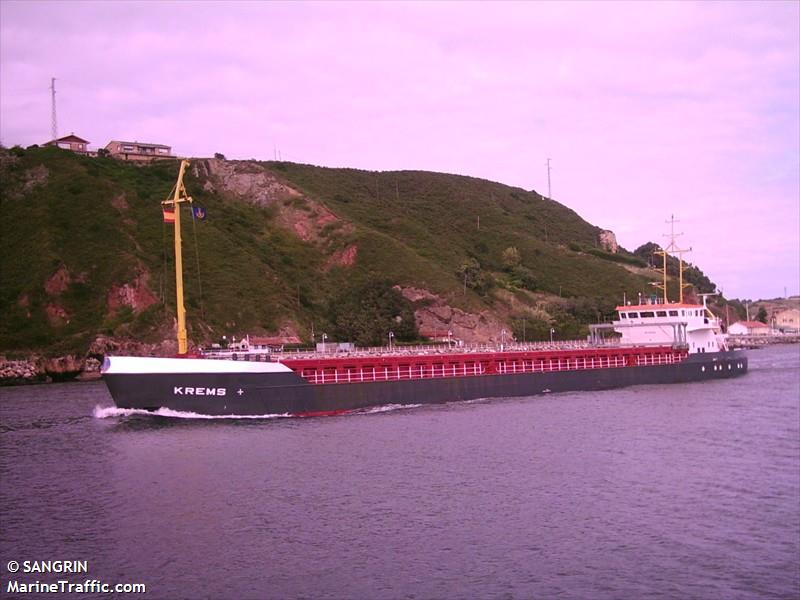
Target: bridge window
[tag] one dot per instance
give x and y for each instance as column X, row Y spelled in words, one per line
column 661, row 313
column 633, row 315
column 623, row 315
column 673, row 313
column 647, row 314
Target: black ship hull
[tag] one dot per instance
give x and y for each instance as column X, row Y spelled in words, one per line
column 287, row 393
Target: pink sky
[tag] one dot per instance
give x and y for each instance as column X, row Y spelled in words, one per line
column 647, row 109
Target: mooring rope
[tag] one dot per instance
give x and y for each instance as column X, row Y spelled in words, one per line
column 197, row 258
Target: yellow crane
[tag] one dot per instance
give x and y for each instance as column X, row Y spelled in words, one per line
column 178, row 196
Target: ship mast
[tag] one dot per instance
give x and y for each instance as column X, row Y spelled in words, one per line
column 179, row 195
column 672, row 247
column 663, row 271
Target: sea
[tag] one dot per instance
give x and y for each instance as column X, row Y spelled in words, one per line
column 675, row 491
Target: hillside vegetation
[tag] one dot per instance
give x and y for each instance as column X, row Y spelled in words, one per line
column 290, row 249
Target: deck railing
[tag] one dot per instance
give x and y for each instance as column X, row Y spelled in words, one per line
column 417, row 350
column 400, row 372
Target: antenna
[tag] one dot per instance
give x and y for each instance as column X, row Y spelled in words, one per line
column 549, row 193
column 53, row 120
column 672, row 247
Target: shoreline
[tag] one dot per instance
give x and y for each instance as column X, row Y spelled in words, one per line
column 37, row 370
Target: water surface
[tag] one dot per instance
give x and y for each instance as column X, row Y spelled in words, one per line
column 688, row 490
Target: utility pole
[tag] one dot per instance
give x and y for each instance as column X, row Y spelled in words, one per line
column 549, row 192
column 53, row 121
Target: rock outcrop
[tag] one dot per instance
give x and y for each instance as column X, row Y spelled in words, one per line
column 63, row 368
column 15, row 372
column 135, row 294
column 435, row 318
column 39, row 370
column 247, row 181
column 250, row 182
column 608, row 241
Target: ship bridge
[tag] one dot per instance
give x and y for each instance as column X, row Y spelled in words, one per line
column 679, row 324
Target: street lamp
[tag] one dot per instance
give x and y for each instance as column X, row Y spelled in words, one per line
column 552, row 331
column 324, row 337
column 391, row 337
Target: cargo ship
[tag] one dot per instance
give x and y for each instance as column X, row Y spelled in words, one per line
column 651, row 342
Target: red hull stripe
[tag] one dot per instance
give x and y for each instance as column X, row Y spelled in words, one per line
column 322, row 413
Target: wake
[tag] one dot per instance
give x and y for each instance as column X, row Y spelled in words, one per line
column 109, row 412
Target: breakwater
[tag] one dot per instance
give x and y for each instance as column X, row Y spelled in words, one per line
column 37, row 369
column 757, row 341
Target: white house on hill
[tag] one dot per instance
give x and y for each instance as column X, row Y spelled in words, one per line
column 748, row 328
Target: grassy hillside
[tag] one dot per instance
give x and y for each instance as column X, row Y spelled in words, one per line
column 79, row 233
column 445, row 219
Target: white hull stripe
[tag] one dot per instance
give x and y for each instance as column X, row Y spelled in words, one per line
column 144, row 365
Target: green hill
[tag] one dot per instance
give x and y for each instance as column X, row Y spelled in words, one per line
column 289, row 248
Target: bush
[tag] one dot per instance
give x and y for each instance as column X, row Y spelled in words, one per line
column 473, row 277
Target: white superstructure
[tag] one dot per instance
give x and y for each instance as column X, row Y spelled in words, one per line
column 678, row 323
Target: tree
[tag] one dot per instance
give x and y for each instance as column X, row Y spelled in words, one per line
column 219, row 156
column 102, row 152
column 366, row 313
column 762, row 315
column 511, row 257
